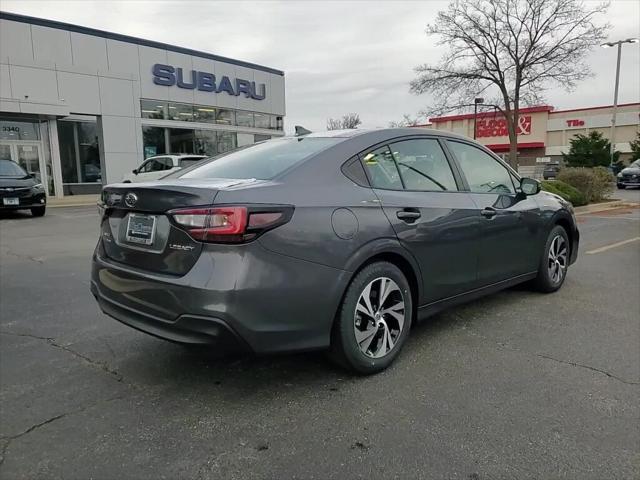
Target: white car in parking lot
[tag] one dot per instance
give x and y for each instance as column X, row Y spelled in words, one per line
column 157, row 167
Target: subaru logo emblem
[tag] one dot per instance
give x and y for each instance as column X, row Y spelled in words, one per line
column 130, row 199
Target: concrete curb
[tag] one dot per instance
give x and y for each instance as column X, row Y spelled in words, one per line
column 62, row 205
column 603, row 207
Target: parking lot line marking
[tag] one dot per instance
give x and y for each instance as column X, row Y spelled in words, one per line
column 613, row 245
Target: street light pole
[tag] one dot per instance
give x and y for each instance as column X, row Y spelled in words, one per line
column 615, row 94
column 615, row 105
column 476, row 102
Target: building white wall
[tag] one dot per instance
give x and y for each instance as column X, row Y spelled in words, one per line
column 52, row 71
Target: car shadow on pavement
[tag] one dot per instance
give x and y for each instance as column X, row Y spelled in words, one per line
column 202, row 369
column 15, row 215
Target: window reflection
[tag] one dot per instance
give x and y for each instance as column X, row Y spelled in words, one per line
column 206, row 143
column 244, row 119
column 153, row 109
column 181, row 112
column 204, row 114
column 225, row 117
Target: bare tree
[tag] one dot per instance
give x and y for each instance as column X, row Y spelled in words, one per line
column 407, row 121
column 349, row 120
column 511, row 50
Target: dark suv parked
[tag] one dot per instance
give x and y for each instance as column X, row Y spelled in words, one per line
column 337, row 240
column 20, row 190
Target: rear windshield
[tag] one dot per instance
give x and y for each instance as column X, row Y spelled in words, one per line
column 262, row 161
column 11, row 169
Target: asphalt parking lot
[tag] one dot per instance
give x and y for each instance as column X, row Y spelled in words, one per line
column 517, row 385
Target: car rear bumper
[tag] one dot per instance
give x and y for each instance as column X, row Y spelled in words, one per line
column 185, row 329
column 243, row 297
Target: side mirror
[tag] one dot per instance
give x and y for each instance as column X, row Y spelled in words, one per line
column 134, row 171
column 529, row 186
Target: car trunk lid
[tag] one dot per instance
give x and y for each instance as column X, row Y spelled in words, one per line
column 136, row 230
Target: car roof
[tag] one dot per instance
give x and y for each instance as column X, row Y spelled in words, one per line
column 384, row 133
column 176, row 155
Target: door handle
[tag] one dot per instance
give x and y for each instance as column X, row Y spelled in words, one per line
column 488, row 212
column 408, row 215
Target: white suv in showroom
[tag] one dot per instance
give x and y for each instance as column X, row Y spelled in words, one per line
column 157, row 167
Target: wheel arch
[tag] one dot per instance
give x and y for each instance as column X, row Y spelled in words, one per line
column 564, row 220
column 387, row 250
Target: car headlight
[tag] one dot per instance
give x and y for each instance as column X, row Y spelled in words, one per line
column 619, row 174
column 38, row 186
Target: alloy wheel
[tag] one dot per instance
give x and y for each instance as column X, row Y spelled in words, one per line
column 379, row 317
column 557, row 260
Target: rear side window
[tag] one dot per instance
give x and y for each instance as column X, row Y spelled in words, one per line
column 262, row 161
column 483, row 172
column 423, row 165
column 382, row 169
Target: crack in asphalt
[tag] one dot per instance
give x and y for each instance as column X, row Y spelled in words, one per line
column 8, row 439
column 588, row 367
column 52, row 341
column 510, row 347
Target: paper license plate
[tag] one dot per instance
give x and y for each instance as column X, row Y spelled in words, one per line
column 141, row 229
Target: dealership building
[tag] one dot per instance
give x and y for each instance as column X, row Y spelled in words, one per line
column 81, row 107
column 545, row 133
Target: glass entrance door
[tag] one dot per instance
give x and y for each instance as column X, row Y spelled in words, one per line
column 26, row 154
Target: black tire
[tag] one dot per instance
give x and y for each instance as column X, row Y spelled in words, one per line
column 345, row 349
column 38, row 211
column 620, row 187
column 545, row 281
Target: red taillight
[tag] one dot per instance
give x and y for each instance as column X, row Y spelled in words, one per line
column 210, row 224
column 229, row 224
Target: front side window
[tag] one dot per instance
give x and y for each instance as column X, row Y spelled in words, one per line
column 262, row 161
column 382, row 169
column 483, row 172
column 423, row 165
column 147, row 166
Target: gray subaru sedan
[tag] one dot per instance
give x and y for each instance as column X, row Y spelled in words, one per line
column 336, row 240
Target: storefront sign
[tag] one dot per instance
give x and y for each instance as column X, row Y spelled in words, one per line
column 497, row 127
column 575, row 123
column 169, row 76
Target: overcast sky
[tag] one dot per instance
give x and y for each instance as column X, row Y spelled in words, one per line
column 338, row 56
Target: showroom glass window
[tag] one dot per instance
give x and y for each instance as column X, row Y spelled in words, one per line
column 423, row 165
column 483, row 172
column 181, row 140
column 225, row 117
column 206, row 143
column 261, row 120
column 155, row 109
column 204, row 114
column 79, row 157
column 181, row 112
column 17, row 130
column 154, row 141
column 227, row 141
column 244, row 119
